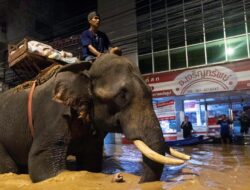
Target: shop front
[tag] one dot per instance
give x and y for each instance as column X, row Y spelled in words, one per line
column 203, row 94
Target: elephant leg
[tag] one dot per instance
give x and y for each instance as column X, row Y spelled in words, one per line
column 7, row 164
column 47, row 159
column 91, row 157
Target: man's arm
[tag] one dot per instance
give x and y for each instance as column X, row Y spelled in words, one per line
column 182, row 125
column 191, row 126
column 94, row 51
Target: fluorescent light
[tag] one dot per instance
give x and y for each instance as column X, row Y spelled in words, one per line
column 229, row 51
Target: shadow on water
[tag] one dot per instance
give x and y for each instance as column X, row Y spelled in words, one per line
column 122, row 158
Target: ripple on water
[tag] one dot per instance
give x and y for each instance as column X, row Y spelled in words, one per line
column 211, row 166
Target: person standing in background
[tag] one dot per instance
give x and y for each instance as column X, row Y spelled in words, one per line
column 244, row 123
column 187, row 128
column 224, row 123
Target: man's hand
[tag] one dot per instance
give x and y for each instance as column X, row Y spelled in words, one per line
column 98, row 54
column 115, row 50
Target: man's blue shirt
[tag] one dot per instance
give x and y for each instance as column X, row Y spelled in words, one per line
column 99, row 41
column 224, row 127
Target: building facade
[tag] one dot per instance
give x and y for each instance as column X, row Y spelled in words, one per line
column 195, row 56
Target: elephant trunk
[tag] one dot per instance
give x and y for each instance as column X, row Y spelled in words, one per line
column 155, row 142
column 152, row 144
column 145, row 131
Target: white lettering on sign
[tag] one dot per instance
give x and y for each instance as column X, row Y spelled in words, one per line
column 204, row 80
column 152, row 79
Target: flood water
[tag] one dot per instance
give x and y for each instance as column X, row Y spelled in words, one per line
column 220, row 167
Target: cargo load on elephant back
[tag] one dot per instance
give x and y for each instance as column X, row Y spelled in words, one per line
column 28, row 57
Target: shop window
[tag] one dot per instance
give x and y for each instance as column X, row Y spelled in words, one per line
column 237, row 108
column 214, row 111
column 166, row 113
column 178, row 58
column 213, row 20
column 161, row 61
column 248, row 18
column 194, row 34
column 249, row 40
column 235, row 27
column 236, row 48
column 174, row 4
column 145, row 63
column 176, row 36
column 214, row 33
column 142, row 7
column 158, row 14
column 195, row 111
column 143, row 23
column 234, row 18
column 175, row 17
column 193, row 22
column 196, row 55
column 160, row 39
column 215, row 51
column 144, row 43
column 143, row 15
column 157, row 5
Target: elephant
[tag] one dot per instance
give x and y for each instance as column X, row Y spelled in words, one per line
column 72, row 111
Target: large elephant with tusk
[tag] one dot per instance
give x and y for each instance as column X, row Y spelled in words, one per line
column 71, row 112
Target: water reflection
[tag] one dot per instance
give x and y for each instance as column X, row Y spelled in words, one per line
column 211, row 166
column 122, row 158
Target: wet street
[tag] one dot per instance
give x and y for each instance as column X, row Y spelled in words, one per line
column 212, row 167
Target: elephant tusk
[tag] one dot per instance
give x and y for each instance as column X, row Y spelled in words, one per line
column 148, row 152
column 178, row 154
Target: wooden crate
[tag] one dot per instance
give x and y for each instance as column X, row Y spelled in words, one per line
column 27, row 64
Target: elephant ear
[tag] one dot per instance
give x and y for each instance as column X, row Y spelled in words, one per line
column 72, row 87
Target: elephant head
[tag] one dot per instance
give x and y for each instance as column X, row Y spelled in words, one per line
column 121, row 101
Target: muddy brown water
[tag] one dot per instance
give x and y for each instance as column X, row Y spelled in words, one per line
column 212, row 167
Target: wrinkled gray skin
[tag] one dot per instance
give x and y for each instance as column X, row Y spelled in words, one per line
column 116, row 98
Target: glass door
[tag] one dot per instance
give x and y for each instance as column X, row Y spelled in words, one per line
column 195, row 110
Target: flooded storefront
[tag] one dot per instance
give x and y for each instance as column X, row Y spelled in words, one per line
column 211, row 167
column 203, row 111
column 203, row 94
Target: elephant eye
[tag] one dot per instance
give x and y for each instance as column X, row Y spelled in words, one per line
column 122, row 98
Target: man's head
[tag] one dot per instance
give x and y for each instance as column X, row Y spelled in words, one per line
column 94, row 19
column 186, row 118
column 93, row 14
column 223, row 116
